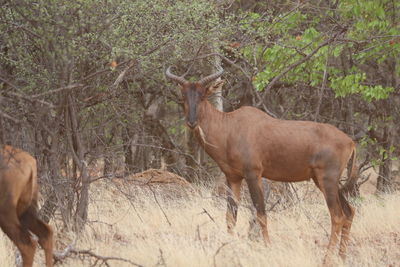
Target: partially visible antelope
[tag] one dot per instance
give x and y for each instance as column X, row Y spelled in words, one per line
column 18, row 205
column 249, row 144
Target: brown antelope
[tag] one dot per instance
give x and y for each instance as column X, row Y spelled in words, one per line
column 247, row 143
column 18, row 205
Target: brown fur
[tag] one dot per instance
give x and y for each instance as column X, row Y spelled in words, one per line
column 18, row 205
column 248, row 144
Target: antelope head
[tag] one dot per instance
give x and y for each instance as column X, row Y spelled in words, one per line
column 193, row 94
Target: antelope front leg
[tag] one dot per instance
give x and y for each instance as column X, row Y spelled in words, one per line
column 233, row 197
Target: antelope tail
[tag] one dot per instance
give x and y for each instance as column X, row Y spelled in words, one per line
column 352, row 175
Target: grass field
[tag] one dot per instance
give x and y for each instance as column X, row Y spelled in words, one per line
column 173, row 226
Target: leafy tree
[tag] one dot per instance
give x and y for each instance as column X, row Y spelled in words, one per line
column 348, row 50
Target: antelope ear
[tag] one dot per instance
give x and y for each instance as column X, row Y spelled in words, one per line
column 216, row 86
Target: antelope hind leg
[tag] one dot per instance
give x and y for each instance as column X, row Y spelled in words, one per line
column 42, row 230
column 254, row 184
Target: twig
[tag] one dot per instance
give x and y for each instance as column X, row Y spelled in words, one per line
column 161, row 260
column 208, row 214
column 130, row 201
column 199, row 237
column 273, row 205
column 309, row 216
column 158, row 203
column 364, row 179
column 295, row 192
column 219, row 250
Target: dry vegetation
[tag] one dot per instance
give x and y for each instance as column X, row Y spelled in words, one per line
column 177, row 225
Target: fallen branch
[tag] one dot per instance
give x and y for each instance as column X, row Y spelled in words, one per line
column 98, row 259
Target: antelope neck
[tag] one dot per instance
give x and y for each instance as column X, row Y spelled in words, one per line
column 212, row 123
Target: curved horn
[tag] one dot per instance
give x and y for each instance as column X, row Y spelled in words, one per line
column 211, row 77
column 174, row 77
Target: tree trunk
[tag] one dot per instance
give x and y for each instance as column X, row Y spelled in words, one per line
column 385, row 178
column 50, row 151
column 77, row 150
column 153, row 127
column 2, row 132
column 140, row 156
column 129, row 141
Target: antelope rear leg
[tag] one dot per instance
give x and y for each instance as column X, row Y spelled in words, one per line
column 43, row 231
column 349, row 213
column 254, row 184
column 233, row 197
column 20, row 236
column 330, row 188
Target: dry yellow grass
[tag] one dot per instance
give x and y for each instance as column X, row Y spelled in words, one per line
column 190, row 230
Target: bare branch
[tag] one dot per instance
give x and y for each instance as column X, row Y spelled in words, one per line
column 132, row 62
column 33, row 97
column 297, row 63
column 225, row 59
column 324, row 81
column 29, row 99
column 121, row 76
column 6, row 116
column 233, row 64
column 58, row 90
column 155, row 48
column 8, row 83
